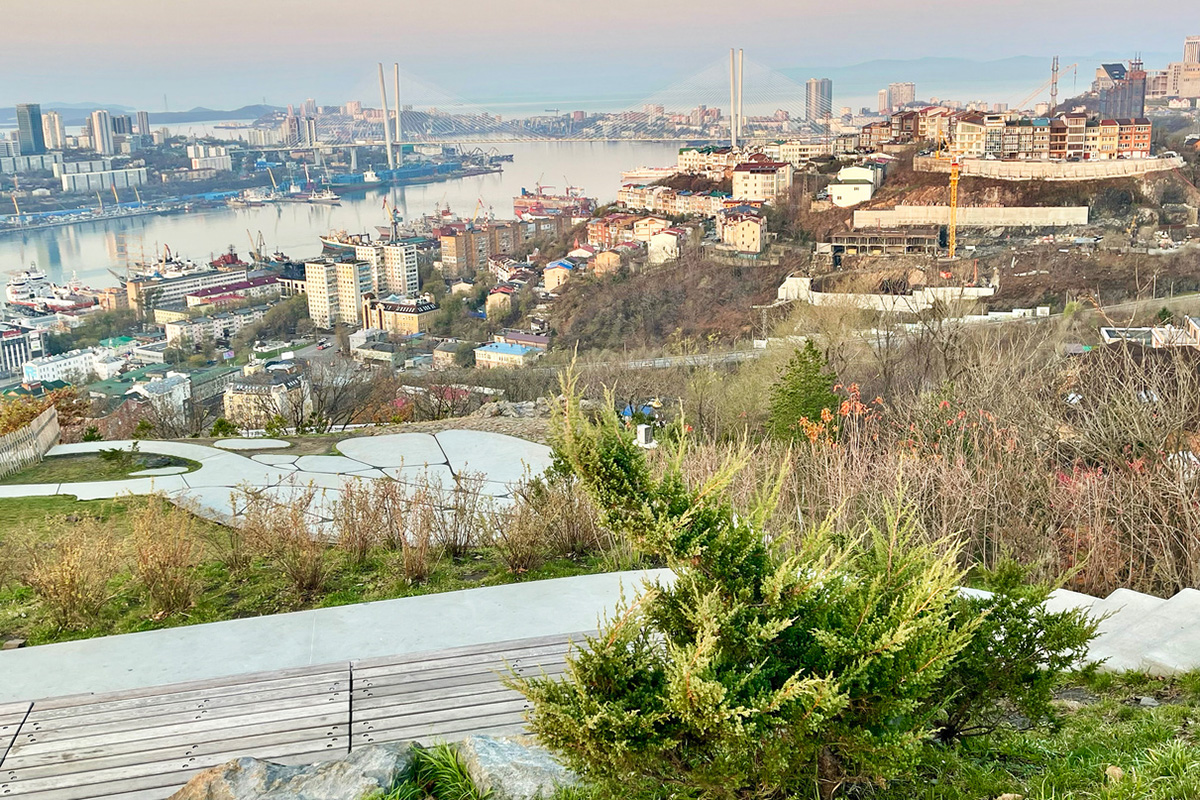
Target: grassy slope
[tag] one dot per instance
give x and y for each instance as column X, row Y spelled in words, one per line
column 76, row 469
column 260, row 590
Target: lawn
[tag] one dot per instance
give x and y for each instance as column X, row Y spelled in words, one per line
column 92, row 467
column 259, row 589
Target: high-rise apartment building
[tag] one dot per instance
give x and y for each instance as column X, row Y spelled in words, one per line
column 122, row 124
column 885, row 103
column 902, row 94
column 335, row 290
column 52, row 130
column 818, row 100
column 102, row 132
column 394, row 268
column 29, row 129
column 1125, row 98
column 143, row 123
column 1191, row 50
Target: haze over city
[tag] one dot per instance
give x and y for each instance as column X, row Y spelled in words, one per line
column 227, row 53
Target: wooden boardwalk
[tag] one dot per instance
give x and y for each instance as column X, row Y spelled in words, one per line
column 145, row 744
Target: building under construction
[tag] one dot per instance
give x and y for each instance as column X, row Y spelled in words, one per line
column 918, row 240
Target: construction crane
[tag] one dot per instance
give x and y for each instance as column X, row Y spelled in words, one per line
column 100, row 200
column 1051, row 84
column 274, row 185
column 138, row 195
column 116, row 197
column 952, row 232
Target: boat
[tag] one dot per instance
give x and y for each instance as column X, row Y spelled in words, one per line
column 342, row 242
column 325, row 197
column 539, row 203
column 644, row 175
column 32, row 289
column 27, row 285
column 227, row 261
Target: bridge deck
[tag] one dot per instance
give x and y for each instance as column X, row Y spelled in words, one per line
column 146, row 743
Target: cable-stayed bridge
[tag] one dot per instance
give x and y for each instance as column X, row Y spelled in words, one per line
column 694, row 109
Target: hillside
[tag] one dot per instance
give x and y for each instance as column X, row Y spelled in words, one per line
column 693, row 299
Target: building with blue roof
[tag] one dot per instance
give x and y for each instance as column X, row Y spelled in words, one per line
column 495, row 355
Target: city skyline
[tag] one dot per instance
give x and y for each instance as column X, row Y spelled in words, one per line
column 203, row 59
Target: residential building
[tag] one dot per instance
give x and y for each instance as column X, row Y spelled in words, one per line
column 266, row 392
column 646, row 227
column 399, row 315
column 266, row 286
column 609, row 230
column 30, row 136
column 916, row 240
column 884, row 102
column 1123, row 94
column 52, row 130
column 855, row 184
column 101, row 135
column 499, row 300
column 143, row 123
column 608, row 262
column 537, row 341
column 379, row 353
column 147, row 293
column 901, row 95
column 212, row 327
column 745, row 231
column 494, row 355
column 665, row 245
column 73, row 366
column 335, row 290
column 761, row 179
column 445, row 355
column 818, row 99
column 292, row 280
column 556, row 273
column 394, row 267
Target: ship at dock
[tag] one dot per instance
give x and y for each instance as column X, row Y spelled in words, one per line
column 540, row 203
column 31, row 289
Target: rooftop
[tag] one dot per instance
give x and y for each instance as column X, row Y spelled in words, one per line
column 504, row 348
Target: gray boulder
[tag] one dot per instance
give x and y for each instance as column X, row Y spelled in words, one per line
column 352, row 777
column 512, row 768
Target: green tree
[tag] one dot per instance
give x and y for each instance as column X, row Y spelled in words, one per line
column 803, row 391
column 223, row 427
column 776, row 665
column 464, row 354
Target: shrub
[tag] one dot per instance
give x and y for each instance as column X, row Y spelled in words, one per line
column 358, row 519
column 92, row 434
column 223, row 427
column 804, row 392
column 1015, row 657
column 72, row 574
column 759, row 672
column 283, row 533
column 166, row 552
column 456, row 513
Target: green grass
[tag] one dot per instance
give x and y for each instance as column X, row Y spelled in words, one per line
column 256, row 591
column 435, row 772
column 90, row 467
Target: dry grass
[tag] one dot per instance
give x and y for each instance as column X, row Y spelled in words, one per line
column 166, row 552
column 73, row 574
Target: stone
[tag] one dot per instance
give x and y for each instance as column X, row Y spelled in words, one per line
column 354, row 776
column 512, row 768
column 1147, row 702
column 12, row 644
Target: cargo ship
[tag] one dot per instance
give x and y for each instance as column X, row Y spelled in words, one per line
column 540, row 204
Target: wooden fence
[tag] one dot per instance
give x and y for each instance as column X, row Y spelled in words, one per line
column 28, row 445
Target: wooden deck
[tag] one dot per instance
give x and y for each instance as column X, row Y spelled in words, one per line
column 146, row 743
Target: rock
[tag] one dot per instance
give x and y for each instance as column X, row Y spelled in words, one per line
column 512, row 769
column 1147, row 702
column 352, row 777
column 1114, row 773
column 12, row 644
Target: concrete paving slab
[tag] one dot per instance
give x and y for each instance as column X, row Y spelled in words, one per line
column 251, row 444
column 215, row 503
column 394, row 450
column 103, row 490
column 438, row 474
column 320, row 636
column 143, row 473
column 1178, row 652
column 506, row 459
column 29, row 490
column 334, row 465
column 1123, row 608
column 275, row 459
column 1065, row 599
column 196, row 452
column 366, row 473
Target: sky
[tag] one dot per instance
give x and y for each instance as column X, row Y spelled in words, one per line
column 228, row 53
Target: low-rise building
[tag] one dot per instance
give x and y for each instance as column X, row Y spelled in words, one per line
column 73, row 367
column 744, row 231
column 445, row 355
column 538, row 341
column 401, row 315
column 761, row 179
column 252, row 288
column 213, row 326
column 608, row 262
column 500, row 300
column 379, row 353
column 266, row 392
column 557, row 273
column 494, row 355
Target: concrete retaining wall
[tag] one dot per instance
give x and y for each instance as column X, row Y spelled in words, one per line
column 1050, row 170
column 26, row 446
column 799, row 288
column 990, row 217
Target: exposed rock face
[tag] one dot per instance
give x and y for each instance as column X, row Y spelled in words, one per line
column 357, row 775
column 512, row 769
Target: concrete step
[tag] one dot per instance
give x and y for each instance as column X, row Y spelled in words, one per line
column 1142, row 627
column 1180, row 651
column 1065, row 600
column 1122, row 608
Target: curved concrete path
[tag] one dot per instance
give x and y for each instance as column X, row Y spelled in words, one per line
column 212, row 490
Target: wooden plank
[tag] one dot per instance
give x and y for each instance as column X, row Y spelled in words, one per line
column 457, row 653
column 196, row 730
column 12, row 717
column 166, row 782
column 179, row 692
column 210, row 708
column 442, row 731
column 466, row 661
column 85, row 765
column 398, row 684
column 241, row 680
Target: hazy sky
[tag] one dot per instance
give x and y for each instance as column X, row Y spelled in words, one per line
column 225, row 53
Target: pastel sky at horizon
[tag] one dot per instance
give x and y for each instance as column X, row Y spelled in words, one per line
column 227, row 53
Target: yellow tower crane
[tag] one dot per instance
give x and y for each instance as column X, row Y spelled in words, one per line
column 952, row 233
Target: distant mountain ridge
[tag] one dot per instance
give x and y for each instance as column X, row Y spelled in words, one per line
column 77, row 113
